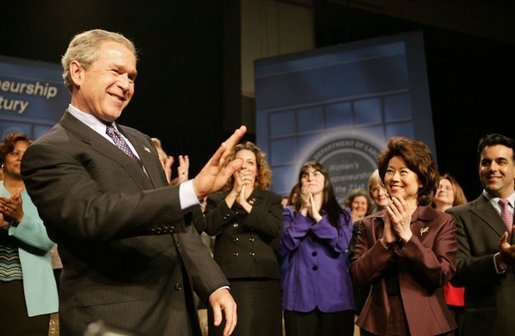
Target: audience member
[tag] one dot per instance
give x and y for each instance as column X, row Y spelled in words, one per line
column 28, row 293
column 377, row 192
column 130, row 256
column 246, row 218
column 406, row 252
column 380, row 198
column 359, row 204
column 486, row 254
column 167, row 162
column 451, row 194
column 317, row 289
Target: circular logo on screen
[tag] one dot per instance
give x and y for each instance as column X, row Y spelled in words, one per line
column 349, row 161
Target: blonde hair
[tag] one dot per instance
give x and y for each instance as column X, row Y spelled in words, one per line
column 160, row 151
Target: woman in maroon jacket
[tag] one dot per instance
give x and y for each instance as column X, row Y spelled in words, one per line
column 406, row 252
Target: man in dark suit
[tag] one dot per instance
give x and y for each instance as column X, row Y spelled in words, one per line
column 130, row 256
column 486, row 255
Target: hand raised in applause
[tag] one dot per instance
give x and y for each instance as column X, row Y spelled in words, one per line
column 215, row 173
column 11, row 209
column 400, row 218
column 246, row 184
column 183, row 169
column 507, row 251
column 310, row 204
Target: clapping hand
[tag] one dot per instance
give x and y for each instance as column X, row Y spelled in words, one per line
column 11, row 209
column 215, row 173
column 507, row 251
column 399, row 218
column 183, row 169
column 310, row 205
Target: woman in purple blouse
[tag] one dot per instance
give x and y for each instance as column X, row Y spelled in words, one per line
column 317, row 290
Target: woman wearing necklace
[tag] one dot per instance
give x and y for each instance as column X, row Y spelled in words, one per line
column 406, row 253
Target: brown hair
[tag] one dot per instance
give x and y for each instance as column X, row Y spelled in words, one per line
column 418, row 158
column 264, row 173
column 7, row 145
column 459, row 195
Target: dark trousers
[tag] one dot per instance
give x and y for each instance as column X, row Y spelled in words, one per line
column 259, row 308
column 14, row 319
column 317, row 323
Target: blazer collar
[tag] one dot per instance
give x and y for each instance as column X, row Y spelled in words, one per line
column 85, row 134
column 482, row 208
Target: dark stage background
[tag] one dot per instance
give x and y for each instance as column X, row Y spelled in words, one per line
column 189, row 50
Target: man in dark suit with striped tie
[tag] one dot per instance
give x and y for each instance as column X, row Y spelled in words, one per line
column 486, row 253
column 130, row 256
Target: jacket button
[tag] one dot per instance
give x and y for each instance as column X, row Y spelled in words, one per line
column 252, row 239
column 314, row 268
column 235, row 254
column 236, row 239
column 252, row 254
column 235, row 225
column 178, row 286
column 314, row 254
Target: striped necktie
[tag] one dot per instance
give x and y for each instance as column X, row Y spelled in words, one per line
column 507, row 217
column 120, row 143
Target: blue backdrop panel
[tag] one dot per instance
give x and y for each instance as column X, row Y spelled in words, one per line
column 340, row 105
column 32, row 96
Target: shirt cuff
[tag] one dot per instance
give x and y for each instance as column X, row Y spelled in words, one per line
column 187, row 196
column 498, row 270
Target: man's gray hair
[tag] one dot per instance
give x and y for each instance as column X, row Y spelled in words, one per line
column 84, row 46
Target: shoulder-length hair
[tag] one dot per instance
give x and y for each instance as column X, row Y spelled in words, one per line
column 459, row 195
column 7, row 145
column 418, row 158
column 264, row 173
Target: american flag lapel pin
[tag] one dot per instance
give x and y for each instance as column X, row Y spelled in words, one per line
column 147, row 149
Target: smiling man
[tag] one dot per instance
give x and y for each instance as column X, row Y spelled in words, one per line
column 130, row 256
column 486, row 255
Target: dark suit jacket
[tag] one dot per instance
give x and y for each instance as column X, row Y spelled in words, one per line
column 244, row 242
column 423, row 266
column 489, row 297
column 122, row 235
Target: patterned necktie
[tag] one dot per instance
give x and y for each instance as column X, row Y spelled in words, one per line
column 505, row 213
column 120, row 143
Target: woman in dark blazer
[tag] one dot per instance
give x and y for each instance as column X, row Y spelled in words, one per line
column 246, row 220
column 406, row 252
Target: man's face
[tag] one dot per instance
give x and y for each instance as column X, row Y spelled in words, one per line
column 497, row 170
column 107, row 86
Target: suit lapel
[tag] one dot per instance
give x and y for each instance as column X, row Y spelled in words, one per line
column 147, row 153
column 482, row 208
column 106, row 148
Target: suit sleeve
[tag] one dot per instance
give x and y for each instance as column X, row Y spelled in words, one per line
column 205, row 273
column 472, row 270
column 370, row 258
column 63, row 185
